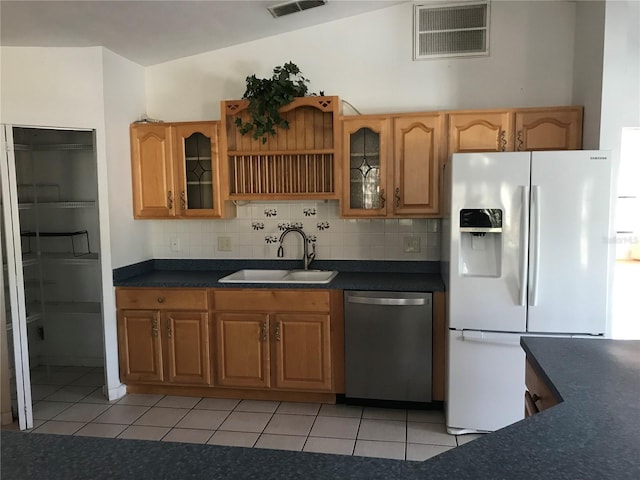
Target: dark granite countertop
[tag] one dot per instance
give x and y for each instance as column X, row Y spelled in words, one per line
column 353, row 275
column 594, row 433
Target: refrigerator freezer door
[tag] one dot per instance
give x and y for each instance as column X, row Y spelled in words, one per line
column 492, row 298
column 485, row 381
column 569, row 247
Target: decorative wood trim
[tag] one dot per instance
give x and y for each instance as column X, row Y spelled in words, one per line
column 337, row 339
column 439, row 345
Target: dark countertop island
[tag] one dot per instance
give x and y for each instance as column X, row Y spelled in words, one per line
column 594, row 433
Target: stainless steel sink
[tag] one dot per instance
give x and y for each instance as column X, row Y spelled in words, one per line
column 279, row 276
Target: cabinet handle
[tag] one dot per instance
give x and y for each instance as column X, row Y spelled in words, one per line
column 382, row 199
column 169, row 333
column 503, row 140
column 264, row 331
column 160, row 299
column 520, row 140
column 170, row 199
column 397, row 195
column 277, row 331
column 183, row 201
column 154, row 327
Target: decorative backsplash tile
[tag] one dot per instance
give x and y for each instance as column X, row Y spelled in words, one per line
column 255, row 231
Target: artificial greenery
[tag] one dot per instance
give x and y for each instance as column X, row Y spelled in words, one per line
column 267, row 95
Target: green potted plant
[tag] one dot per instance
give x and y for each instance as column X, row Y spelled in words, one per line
column 267, row 95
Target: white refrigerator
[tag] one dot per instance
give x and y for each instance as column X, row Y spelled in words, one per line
column 527, row 251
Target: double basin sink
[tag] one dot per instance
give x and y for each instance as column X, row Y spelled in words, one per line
column 280, row 276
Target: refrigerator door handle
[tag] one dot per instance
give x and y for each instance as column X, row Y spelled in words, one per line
column 524, row 245
column 535, row 264
column 491, row 337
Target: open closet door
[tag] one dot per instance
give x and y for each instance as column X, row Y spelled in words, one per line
column 12, row 295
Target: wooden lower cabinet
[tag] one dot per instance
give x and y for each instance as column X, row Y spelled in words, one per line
column 158, row 346
column 187, row 347
column 140, row 347
column 163, row 336
column 242, row 350
column 280, row 340
column 302, row 350
column 538, row 396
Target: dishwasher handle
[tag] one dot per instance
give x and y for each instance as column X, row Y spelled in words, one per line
column 386, row 301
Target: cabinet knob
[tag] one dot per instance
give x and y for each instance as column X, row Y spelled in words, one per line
column 160, row 299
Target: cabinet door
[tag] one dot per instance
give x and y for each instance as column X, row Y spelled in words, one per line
column 366, row 157
column 139, row 345
column 152, row 171
column 549, row 129
column 242, row 349
column 187, row 335
column 417, row 160
column 302, row 349
column 480, row 132
column 198, row 177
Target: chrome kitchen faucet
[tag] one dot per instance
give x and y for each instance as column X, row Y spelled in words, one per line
column 307, row 257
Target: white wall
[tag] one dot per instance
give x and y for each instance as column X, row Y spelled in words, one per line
column 124, row 102
column 620, row 109
column 66, row 87
column 367, row 60
column 587, row 68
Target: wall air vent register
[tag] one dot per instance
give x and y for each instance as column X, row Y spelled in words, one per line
column 451, row 30
column 287, row 8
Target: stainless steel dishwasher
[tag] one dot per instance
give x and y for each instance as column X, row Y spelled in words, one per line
column 388, row 345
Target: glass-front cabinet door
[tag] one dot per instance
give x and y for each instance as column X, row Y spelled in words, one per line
column 198, row 192
column 366, row 157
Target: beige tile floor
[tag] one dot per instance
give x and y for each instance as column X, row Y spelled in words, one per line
column 68, row 401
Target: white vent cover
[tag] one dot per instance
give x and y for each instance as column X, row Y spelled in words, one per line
column 288, row 8
column 451, row 30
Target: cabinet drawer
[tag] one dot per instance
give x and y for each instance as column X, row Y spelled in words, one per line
column 162, row 298
column 261, row 300
column 541, row 396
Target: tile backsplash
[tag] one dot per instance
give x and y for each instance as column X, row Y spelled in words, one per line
column 255, row 232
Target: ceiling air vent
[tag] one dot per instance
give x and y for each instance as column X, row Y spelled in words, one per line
column 451, row 30
column 288, row 8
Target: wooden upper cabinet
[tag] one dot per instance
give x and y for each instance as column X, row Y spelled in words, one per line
column 302, row 349
column 140, row 347
column 479, row 131
column 299, row 162
column 187, row 335
column 198, row 180
column 417, row 146
column 557, row 128
column 176, row 171
column 152, row 171
column 366, row 159
column 242, row 350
